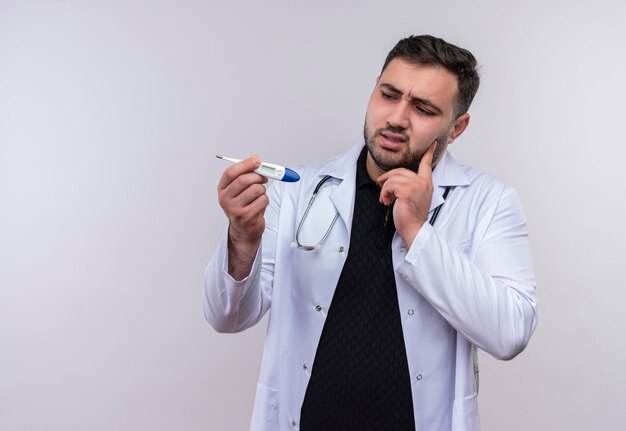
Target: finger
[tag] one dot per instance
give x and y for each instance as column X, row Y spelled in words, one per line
column 241, row 192
column 394, row 172
column 397, row 187
column 238, row 169
column 389, row 191
column 259, row 205
column 426, row 164
column 387, row 196
column 240, row 184
column 249, row 194
column 244, row 216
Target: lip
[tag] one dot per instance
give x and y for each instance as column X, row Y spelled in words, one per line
column 396, row 136
column 391, row 141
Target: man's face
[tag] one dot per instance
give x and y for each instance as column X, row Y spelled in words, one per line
column 411, row 106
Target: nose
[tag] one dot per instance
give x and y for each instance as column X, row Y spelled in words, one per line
column 399, row 116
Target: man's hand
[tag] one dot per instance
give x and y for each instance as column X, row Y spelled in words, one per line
column 411, row 194
column 242, row 196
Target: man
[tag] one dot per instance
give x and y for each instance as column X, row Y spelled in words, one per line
column 383, row 287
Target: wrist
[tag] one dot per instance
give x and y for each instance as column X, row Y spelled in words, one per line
column 242, row 237
column 242, row 250
column 408, row 235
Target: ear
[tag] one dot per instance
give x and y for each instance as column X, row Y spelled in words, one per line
column 459, row 126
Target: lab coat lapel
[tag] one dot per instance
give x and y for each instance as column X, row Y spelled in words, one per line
column 447, row 173
column 343, row 199
column 343, row 168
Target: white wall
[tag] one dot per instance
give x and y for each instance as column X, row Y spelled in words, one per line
column 111, row 113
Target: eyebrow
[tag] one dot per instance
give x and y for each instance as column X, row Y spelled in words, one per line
column 414, row 99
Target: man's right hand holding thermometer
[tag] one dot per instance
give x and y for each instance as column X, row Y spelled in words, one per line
column 241, row 194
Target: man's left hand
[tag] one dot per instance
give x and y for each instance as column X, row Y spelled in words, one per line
column 410, row 194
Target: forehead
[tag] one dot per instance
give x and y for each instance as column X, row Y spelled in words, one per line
column 431, row 82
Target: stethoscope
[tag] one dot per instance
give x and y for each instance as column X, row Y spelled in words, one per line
column 317, row 246
column 306, row 212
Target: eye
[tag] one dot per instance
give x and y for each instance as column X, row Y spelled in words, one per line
column 422, row 111
column 388, row 96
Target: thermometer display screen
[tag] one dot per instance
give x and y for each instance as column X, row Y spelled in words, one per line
column 268, row 170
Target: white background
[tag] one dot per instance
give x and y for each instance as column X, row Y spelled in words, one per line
column 111, row 113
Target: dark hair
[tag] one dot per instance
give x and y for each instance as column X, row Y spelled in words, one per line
column 430, row 50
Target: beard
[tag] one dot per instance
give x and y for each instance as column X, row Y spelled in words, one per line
column 404, row 159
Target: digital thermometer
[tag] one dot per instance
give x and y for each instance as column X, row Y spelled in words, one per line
column 270, row 170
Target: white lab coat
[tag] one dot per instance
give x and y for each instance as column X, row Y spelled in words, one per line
column 467, row 282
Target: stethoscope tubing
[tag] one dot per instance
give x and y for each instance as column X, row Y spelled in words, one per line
column 303, row 247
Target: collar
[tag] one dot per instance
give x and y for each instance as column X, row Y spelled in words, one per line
column 447, row 173
column 343, row 167
column 362, row 177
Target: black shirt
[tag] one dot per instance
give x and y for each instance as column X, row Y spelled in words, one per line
column 360, row 376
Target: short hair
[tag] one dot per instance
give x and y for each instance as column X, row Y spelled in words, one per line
column 430, row 50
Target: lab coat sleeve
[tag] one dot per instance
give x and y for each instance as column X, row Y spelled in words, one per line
column 484, row 289
column 233, row 306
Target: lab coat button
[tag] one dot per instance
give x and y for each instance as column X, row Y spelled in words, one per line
column 341, row 249
column 318, row 307
column 402, row 248
column 304, row 367
column 419, row 377
column 411, row 312
column 293, row 423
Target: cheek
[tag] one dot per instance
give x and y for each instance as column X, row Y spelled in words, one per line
column 439, row 153
column 425, row 134
column 443, row 137
column 440, row 132
column 376, row 116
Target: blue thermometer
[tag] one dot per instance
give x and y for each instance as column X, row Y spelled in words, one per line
column 270, row 170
